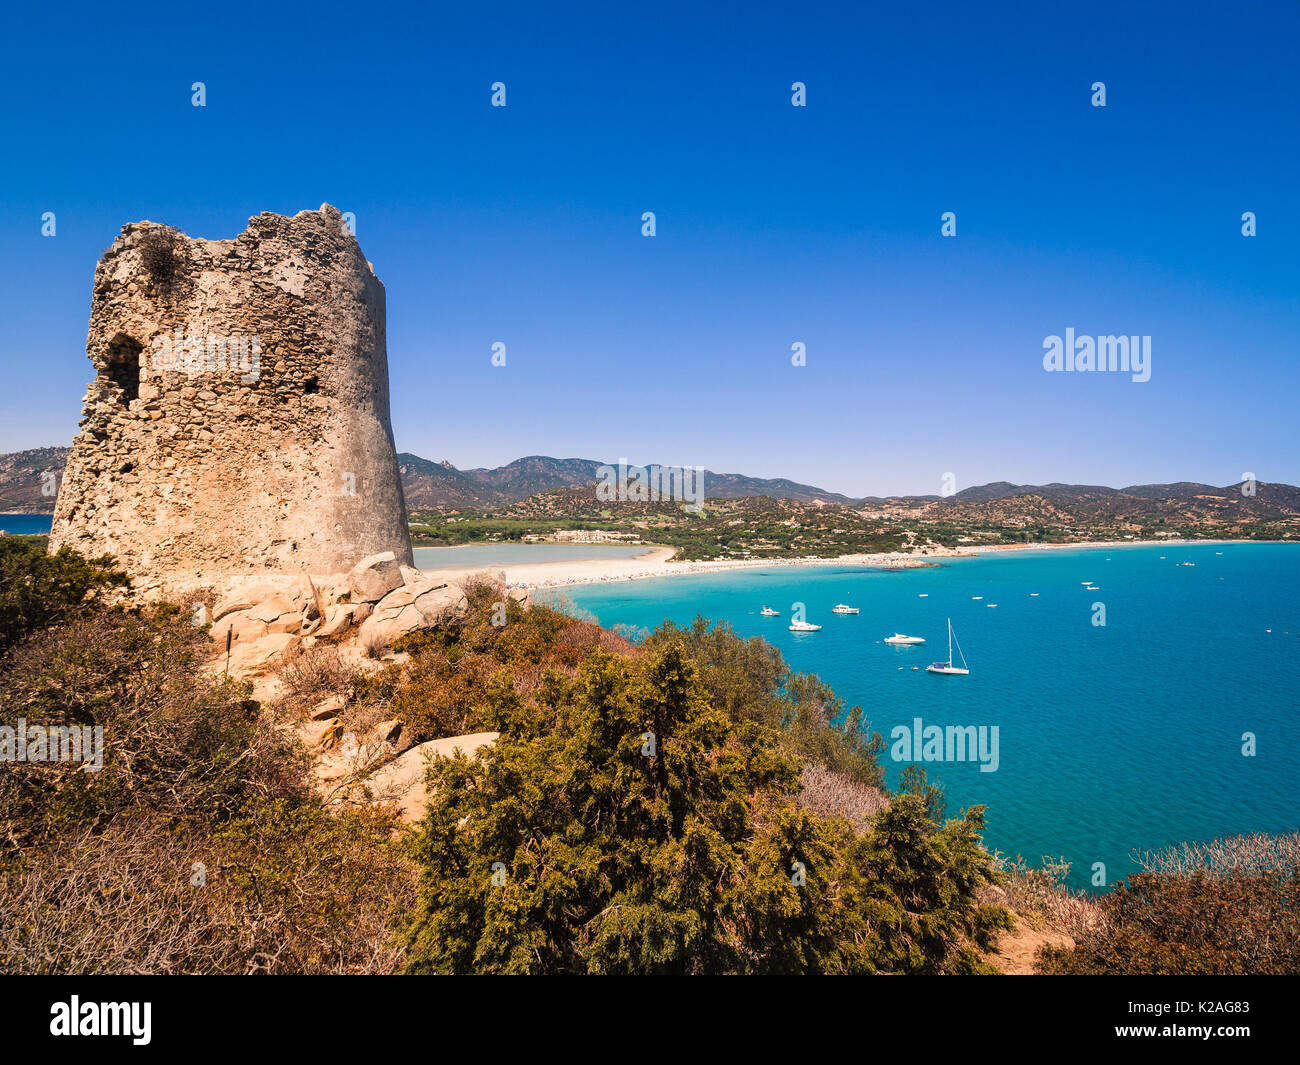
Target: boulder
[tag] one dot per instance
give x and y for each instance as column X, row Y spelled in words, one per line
column 374, row 577
column 243, row 600
column 342, row 616
column 280, row 614
column 328, row 708
column 318, row 734
column 420, row 606
column 401, row 781
column 244, row 629
column 254, row 656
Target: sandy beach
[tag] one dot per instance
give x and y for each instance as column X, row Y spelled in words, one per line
column 657, row 562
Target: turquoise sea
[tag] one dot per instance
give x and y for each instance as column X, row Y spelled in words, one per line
column 1110, row 738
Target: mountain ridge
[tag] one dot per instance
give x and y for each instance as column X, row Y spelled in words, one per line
column 441, row 486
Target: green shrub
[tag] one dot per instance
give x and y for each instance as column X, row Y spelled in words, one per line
column 38, row 589
column 571, row 846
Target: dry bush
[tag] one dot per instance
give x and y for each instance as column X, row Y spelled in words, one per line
column 442, row 697
column 1041, row 893
column 316, row 672
column 282, row 889
column 576, row 641
column 96, row 867
column 1251, row 855
column 1224, row 924
column 376, row 647
column 174, row 738
column 829, row 794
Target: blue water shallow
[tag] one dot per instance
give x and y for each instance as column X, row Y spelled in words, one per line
column 1112, row 738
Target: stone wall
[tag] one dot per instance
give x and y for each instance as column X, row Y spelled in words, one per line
column 238, row 420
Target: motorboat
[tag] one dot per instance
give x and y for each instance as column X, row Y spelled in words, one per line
column 899, row 640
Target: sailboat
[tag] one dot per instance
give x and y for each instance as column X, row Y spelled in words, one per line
column 948, row 667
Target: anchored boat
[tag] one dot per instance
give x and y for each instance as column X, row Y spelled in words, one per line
column 948, row 667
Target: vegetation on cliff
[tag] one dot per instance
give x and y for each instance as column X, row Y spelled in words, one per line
column 681, row 804
column 197, row 846
column 624, row 822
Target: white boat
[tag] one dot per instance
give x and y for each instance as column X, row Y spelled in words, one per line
column 768, row 612
column 804, row 626
column 1187, row 563
column 1033, row 595
column 977, row 597
column 899, row 640
column 948, row 667
column 844, row 608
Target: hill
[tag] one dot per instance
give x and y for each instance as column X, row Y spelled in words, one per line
column 440, row 486
column 537, row 489
column 21, row 480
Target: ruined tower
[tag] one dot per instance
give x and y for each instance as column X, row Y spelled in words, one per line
column 238, row 420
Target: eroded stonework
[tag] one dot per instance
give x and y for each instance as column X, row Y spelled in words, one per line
column 239, row 418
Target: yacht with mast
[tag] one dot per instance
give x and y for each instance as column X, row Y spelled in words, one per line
column 947, row 667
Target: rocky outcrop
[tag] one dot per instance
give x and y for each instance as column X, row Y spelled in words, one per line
column 422, row 605
column 402, row 781
column 239, row 417
column 264, row 619
column 373, row 578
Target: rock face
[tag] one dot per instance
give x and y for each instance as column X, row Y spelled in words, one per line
column 238, row 421
column 401, row 781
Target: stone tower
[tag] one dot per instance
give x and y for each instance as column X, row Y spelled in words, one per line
column 238, row 420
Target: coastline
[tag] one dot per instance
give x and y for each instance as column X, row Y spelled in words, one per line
column 657, row 562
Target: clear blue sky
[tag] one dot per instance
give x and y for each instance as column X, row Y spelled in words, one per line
column 775, row 224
